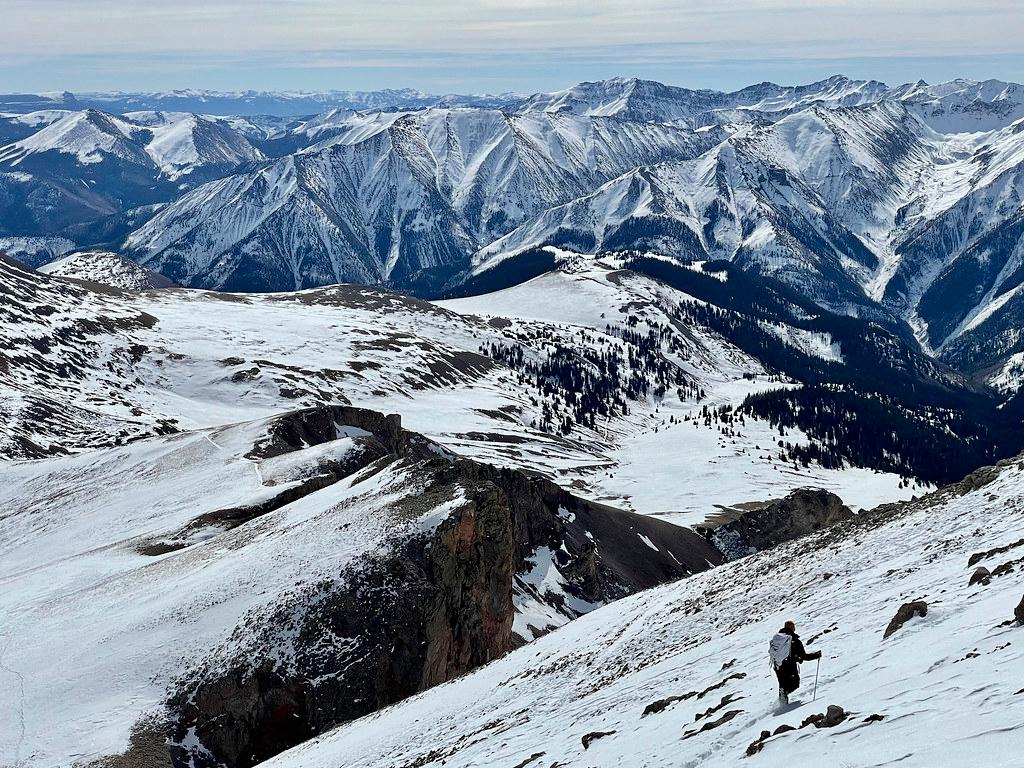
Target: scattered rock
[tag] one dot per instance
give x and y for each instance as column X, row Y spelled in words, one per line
column 981, row 575
column 812, row 720
column 712, row 724
column 874, row 718
column 729, row 699
column 978, row 556
column 906, row 612
column 595, row 735
column 716, row 686
column 979, row 478
column 530, row 759
column 662, row 704
column 832, row 717
column 783, row 729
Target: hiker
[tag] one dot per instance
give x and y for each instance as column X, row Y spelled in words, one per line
column 787, row 652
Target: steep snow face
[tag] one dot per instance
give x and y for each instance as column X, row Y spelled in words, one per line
column 79, row 168
column 679, row 675
column 182, row 144
column 731, row 203
column 88, row 136
column 966, row 106
column 106, row 268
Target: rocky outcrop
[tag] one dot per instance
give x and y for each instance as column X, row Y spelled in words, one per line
column 433, row 606
column 906, row 612
column 1018, row 612
column 803, row 511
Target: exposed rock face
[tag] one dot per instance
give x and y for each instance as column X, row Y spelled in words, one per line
column 906, row 612
column 803, row 511
column 430, row 608
column 1018, row 612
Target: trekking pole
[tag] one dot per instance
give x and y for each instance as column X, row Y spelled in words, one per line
column 815, row 696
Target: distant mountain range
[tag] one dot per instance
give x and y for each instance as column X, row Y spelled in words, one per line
column 225, row 103
column 898, row 204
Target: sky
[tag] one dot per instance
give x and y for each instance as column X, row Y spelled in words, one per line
column 494, row 46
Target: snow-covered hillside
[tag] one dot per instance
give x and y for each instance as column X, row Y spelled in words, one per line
column 106, row 268
column 183, row 360
column 679, row 675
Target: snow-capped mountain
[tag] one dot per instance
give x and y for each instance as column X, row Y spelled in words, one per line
column 649, row 101
column 77, row 167
column 669, row 330
column 382, row 197
column 300, row 559
column 900, row 204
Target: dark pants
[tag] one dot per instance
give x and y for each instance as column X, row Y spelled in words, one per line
column 789, row 676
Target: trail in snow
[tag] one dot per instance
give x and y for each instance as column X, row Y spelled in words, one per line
column 19, row 700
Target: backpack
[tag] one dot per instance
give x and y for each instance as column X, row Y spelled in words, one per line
column 779, row 648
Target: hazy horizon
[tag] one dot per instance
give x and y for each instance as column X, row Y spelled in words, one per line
column 486, row 46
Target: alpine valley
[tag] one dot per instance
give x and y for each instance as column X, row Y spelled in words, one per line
column 391, row 429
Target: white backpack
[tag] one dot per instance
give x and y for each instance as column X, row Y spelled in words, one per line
column 779, row 648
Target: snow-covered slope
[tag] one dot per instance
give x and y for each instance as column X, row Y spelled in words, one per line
column 71, row 168
column 679, row 675
column 878, row 201
column 106, row 268
column 183, row 143
column 183, row 360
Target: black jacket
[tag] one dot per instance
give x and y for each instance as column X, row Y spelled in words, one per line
column 797, row 652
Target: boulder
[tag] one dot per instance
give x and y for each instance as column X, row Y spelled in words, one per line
column 981, row 575
column 834, row 715
column 906, row 612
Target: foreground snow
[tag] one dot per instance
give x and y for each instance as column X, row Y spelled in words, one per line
column 99, row 620
column 947, row 686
